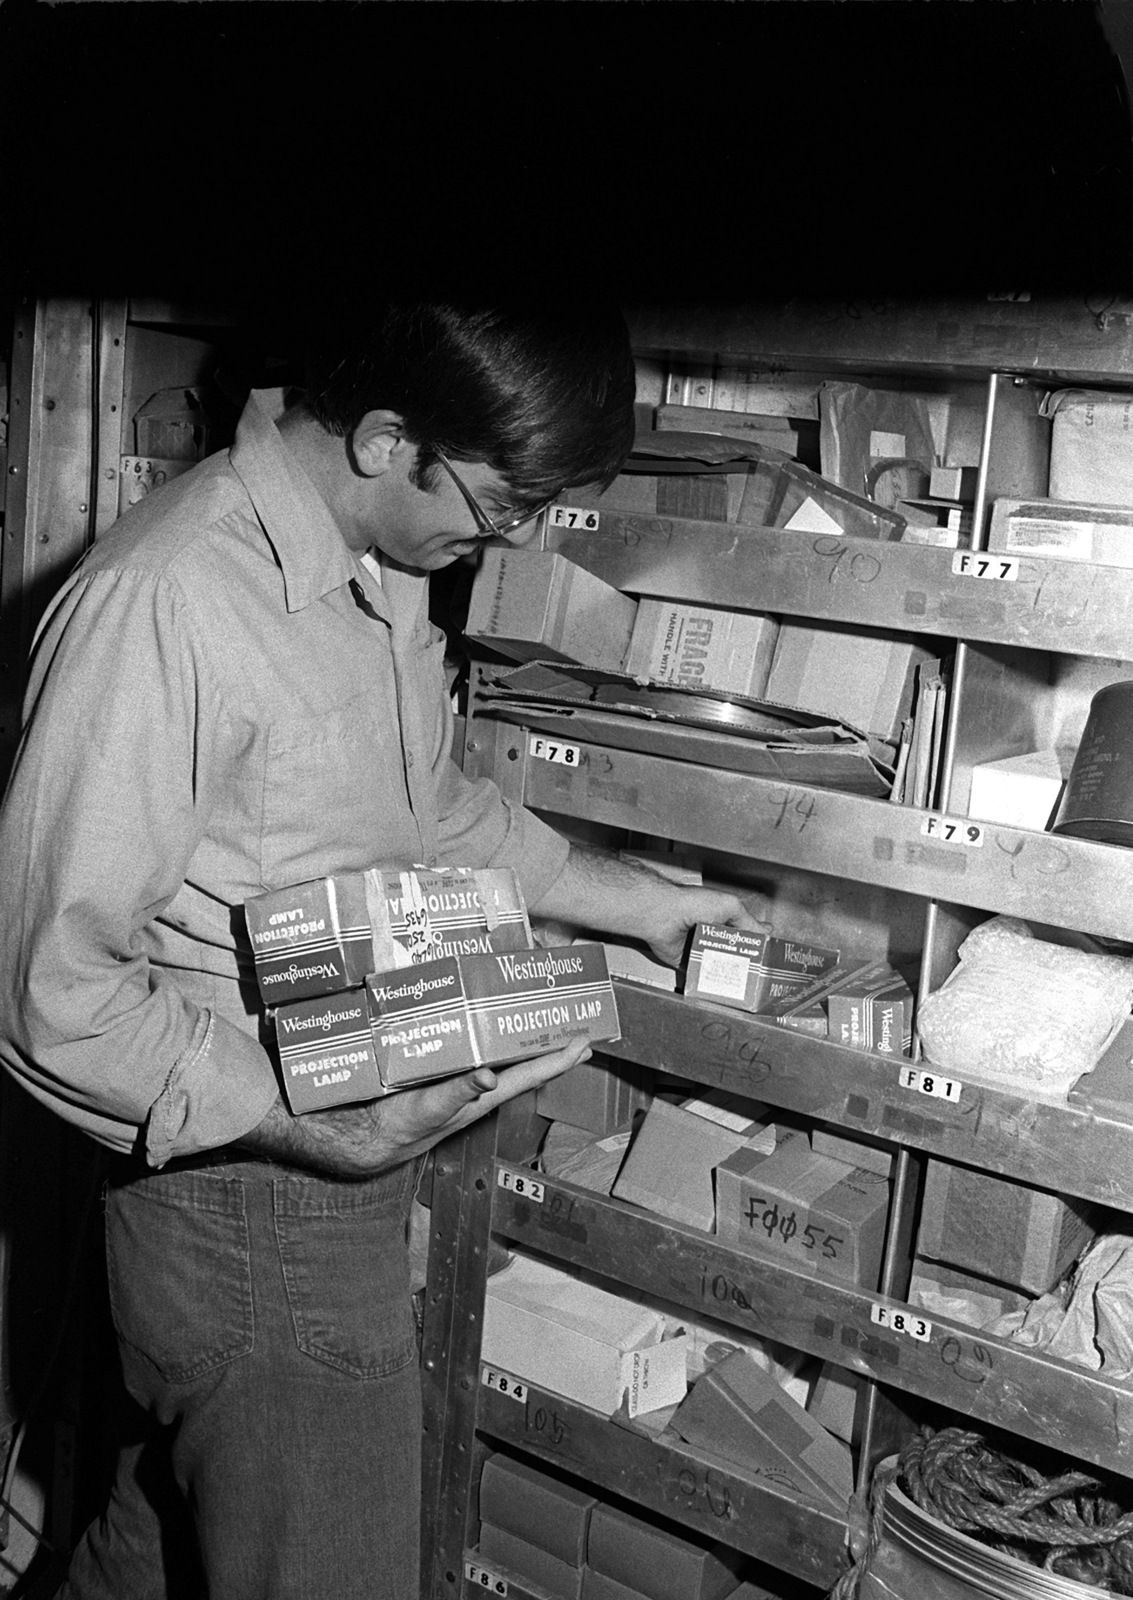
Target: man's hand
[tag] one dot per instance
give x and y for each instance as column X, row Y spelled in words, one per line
column 600, row 891
column 361, row 1141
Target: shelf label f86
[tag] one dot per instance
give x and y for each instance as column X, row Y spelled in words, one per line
column 484, row 1579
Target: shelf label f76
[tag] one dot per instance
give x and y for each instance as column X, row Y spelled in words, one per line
column 572, row 517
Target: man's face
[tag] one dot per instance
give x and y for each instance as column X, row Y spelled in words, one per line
column 431, row 528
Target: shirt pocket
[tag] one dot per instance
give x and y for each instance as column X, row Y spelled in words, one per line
column 333, row 793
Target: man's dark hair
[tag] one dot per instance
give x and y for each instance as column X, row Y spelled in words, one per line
column 543, row 394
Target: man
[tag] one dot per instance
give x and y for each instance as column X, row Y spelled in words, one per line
column 239, row 689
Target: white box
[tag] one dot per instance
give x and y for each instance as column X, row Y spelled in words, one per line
column 1091, row 446
column 702, row 647
column 1063, row 531
column 559, row 1333
column 1019, row 791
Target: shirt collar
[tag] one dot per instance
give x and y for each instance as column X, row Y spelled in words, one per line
column 313, row 556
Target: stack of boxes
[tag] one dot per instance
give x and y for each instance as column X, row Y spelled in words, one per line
column 384, row 979
column 543, row 1532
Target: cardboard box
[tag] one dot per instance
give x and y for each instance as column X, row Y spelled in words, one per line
column 1062, row 531
column 534, row 605
column 834, row 1401
column 947, row 1292
column 654, row 1559
column 536, row 1505
column 868, row 1155
column 331, row 933
column 172, row 425
column 593, row 1096
column 529, row 1564
column 875, row 1014
column 862, row 678
column 751, row 971
column 1019, row 791
column 805, row 1210
column 738, row 1412
column 777, row 432
column 702, row 647
column 1108, row 1088
column 1091, row 446
column 671, row 1163
column 1016, row 1235
column 627, row 961
column 560, row 1333
column 441, row 1017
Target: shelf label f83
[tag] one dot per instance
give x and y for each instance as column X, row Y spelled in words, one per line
column 901, row 1322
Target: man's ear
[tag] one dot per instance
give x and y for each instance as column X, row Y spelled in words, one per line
column 378, row 441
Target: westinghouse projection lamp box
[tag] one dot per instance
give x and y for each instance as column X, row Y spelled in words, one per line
column 437, row 1018
column 328, row 934
column 751, row 970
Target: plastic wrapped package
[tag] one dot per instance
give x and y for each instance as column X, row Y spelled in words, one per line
column 1089, row 1317
column 1023, row 1014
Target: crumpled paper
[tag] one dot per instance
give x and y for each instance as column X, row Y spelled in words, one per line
column 1088, row 1318
column 1023, row 1014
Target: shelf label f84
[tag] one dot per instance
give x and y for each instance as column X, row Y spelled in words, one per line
column 503, row 1383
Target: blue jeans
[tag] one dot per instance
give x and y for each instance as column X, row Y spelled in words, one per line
column 266, row 1331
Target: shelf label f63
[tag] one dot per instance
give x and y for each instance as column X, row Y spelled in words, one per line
column 521, row 1183
column 564, row 755
column 572, row 517
column 984, row 564
column 483, row 1579
column 901, row 1322
column 933, row 1083
column 953, row 830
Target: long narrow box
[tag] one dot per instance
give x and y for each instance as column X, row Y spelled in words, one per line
column 702, row 647
column 656, row 1560
column 875, row 1014
column 534, row 605
column 534, row 1505
column 751, row 970
column 810, row 1212
column 1063, row 530
column 330, row 933
column 441, row 1017
column 529, row 1563
column 563, row 1334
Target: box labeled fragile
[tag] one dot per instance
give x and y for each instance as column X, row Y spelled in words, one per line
column 1063, row 531
column 534, row 605
column 330, row 933
column 429, row 1021
column 875, row 1014
column 1019, row 1236
column 808, row 1210
column 702, row 647
column 558, row 1332
column 752, row 971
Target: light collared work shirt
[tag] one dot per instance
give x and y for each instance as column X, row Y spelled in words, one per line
column 223, row 700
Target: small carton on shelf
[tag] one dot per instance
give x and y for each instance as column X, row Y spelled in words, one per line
column 865, row 1153
column 441, row 1017
column 738, row 1412
column 701, row 647
column 534, row 605
column 1062, row 531
column 627, row 961
column 670, row 1164
column 536, row 1505
column 1090, row 458
column 653, row 1559
column 859, row 677
column 560, row 1333
column 1022, row 1237
column 597, row 1096
column 330, row 933
column 948, row 1292
column 1019, row 791
column 806, row 1210
column 751, row 970
column 529, row 1564
column 834, row 1400
column 874, row 1014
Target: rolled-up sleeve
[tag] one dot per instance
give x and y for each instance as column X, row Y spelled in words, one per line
column 112, row 788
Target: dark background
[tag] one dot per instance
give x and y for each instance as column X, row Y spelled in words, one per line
column 663, row 149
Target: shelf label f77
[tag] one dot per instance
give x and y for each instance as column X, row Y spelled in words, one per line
column 985, row 564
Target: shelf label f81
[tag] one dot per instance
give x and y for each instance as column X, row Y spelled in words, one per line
column 937, row 1084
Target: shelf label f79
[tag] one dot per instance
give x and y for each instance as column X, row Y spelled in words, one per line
column 953, row 830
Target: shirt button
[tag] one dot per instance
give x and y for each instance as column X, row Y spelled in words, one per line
column 409, row 759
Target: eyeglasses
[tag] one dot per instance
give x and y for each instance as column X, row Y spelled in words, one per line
column 488, row 525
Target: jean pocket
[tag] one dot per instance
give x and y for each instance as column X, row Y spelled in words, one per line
column 179, row 1271
column 345, row 1261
